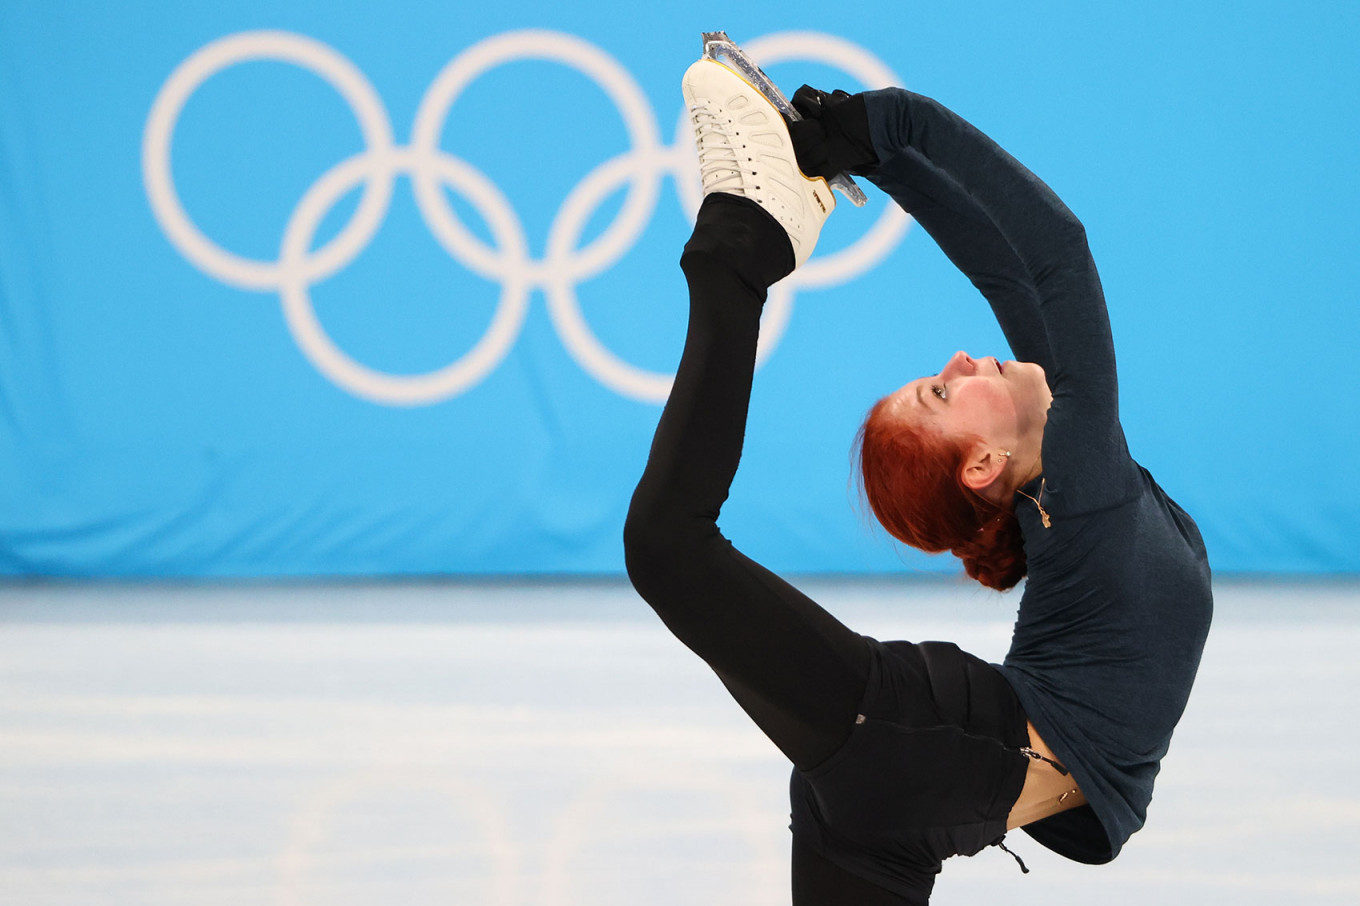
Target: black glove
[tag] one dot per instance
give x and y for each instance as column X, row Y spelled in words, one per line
column 833, row 136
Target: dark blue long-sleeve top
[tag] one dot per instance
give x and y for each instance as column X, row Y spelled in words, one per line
column 1117, row 603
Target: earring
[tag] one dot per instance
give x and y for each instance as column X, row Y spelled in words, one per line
column 1006, row 453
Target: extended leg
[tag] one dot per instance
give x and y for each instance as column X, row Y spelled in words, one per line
column 794, row 668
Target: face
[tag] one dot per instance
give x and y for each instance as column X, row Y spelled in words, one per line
column 1004, row 403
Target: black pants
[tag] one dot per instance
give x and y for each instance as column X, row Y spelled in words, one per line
column 798, row 672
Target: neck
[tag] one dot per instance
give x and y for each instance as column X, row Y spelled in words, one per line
column 1002, row 491
column 1027, row 462
column 1033, row 472
column 1017, row 475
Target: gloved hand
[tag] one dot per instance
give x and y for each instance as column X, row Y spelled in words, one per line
column 833, row 136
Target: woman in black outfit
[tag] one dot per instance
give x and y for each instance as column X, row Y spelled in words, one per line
column 905, row 754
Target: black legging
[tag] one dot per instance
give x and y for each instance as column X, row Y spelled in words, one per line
column 796, row 670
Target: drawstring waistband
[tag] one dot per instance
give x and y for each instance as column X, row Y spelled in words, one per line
column 1061, row 769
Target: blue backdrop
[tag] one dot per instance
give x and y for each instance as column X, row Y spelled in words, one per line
column 307, row 288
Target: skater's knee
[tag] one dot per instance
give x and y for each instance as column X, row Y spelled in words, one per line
column 647, row 557
column 661, row 543
column 649, row 533
column 644, row 533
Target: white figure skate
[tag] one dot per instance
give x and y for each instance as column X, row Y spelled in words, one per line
column 719, row 47
column 745, row 149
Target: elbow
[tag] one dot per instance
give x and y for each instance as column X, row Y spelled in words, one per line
column 1068, row 229
column 1064, row 249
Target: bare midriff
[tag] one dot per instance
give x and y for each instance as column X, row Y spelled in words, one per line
column 1047, row 790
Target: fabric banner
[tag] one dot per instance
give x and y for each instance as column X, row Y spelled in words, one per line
column 287, row 289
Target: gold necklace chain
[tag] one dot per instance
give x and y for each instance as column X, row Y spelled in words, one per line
column 1048, row 523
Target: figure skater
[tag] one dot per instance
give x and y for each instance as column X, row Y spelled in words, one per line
column 907, row 753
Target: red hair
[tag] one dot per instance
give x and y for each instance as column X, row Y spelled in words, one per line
column 912, row 477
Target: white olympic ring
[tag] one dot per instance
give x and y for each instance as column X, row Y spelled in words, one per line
column 431, row 169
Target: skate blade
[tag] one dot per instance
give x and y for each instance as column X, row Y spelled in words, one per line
column 721, row 49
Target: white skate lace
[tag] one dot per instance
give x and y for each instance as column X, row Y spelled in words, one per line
column 719, row 163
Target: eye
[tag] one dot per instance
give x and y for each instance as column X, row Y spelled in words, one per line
column 938, row 390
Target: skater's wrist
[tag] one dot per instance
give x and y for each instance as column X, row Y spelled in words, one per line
column 833, row 136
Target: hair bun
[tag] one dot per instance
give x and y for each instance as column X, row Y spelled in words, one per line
column 996, row 556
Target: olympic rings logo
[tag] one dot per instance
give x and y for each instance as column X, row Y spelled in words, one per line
column 430, row 170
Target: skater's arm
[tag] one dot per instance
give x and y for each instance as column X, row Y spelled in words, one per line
column 834, row 136
column 969, row 238
column 1083, row 440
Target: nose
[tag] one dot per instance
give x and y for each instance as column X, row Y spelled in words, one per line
column 960, row 363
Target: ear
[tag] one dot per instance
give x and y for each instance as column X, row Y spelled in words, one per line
column 982, row 468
